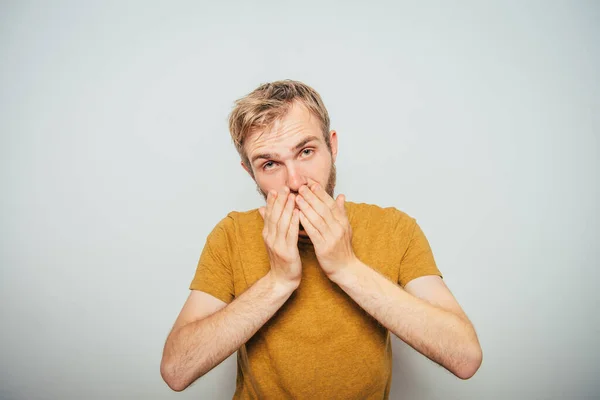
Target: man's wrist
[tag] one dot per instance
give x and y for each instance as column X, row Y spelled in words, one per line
column 347, row 273
column 281, row 285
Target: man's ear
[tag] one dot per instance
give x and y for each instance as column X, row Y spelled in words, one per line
column 248, row 170
column 333, row 140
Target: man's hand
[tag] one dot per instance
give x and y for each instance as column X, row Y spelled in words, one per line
column 327, row 225
column 280, row 234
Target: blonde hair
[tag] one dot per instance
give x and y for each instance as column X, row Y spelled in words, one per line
column 268, row 103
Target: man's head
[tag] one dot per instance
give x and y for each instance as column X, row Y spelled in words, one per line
column 281, row 131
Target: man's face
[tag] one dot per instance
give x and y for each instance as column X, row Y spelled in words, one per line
column 291, row 151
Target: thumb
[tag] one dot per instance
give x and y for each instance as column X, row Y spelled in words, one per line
column 261, row 211
column 340, row 200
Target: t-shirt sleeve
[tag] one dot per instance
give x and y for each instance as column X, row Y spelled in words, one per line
column 418, row 259
column 214, row 272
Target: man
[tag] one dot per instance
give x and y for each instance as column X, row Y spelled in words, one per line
column 307, row 288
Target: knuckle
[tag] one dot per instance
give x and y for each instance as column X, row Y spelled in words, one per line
column 269, row 240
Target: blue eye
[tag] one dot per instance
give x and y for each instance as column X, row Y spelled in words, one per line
column 310, row 151
column 268, row 164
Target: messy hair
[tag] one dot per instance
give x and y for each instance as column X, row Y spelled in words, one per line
column 268, row 103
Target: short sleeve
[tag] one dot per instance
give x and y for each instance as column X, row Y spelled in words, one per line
column 214, row 272
column 418, row 259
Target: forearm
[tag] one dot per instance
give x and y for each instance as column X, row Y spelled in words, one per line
column 440, row 335
column 194, row 349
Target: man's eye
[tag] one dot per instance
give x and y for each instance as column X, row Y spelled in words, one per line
column 307, row 152
column 268, row 165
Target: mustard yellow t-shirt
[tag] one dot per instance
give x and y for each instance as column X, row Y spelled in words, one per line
column 320, row 344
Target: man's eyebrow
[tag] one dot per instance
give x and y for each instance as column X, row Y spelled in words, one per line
column 266, row 156
column 300, row 144
column 303, row 142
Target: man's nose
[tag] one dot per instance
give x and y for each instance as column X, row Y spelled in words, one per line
column 295, row 179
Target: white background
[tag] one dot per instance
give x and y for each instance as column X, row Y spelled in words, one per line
column 480, row 119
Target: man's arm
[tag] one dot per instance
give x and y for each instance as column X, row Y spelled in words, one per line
column 431, row 321
column 433, row 324
column 197, row 347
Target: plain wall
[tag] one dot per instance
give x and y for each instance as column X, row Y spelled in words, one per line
column 479, row 119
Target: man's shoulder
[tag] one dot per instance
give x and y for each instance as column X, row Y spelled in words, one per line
column 244, row 215
column 236, row 220
column 372, row 212
column 379, row 225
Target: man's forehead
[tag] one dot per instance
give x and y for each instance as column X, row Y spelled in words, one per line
column 297, row 116
column 276, row 148
column 295, row 126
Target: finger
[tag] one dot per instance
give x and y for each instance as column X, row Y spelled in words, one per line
column 340, row 202
column 277, row 209
column 321, row 208
column 292, row 234
column 267, row 230
column 271, row 197
column 315, row 219
column 320, row 192
column 286, row 216
column 314, row 235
